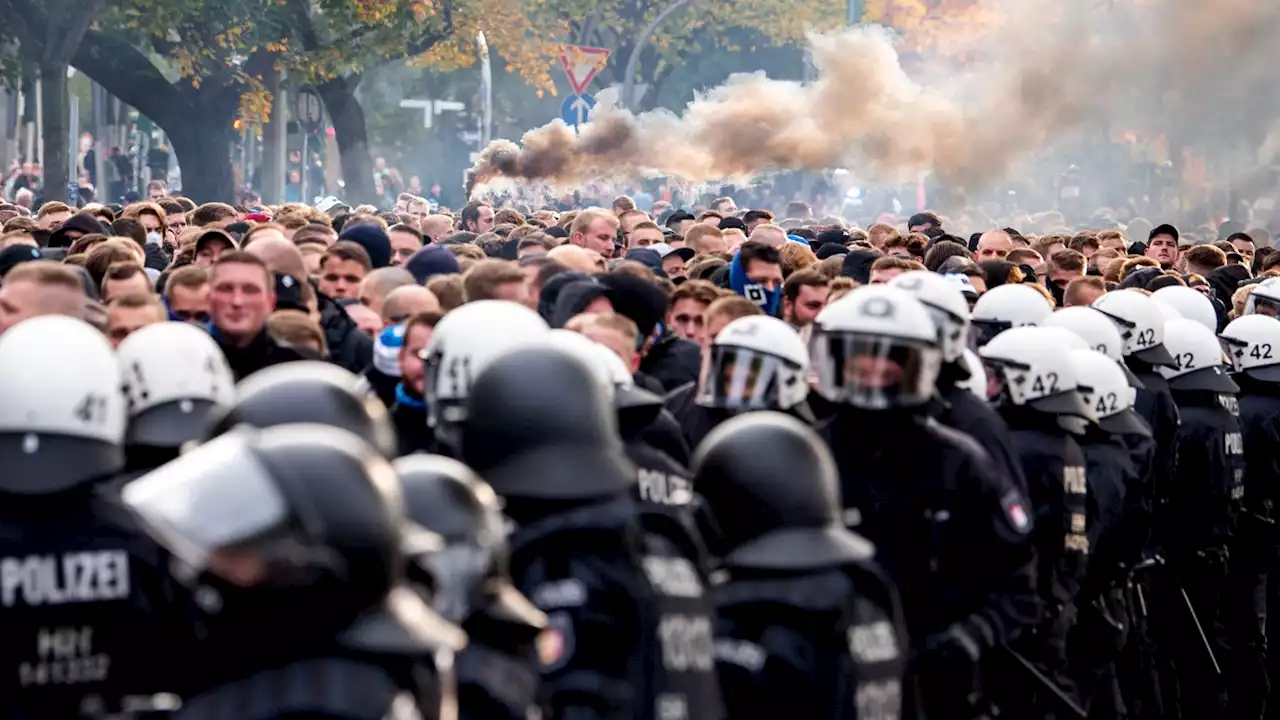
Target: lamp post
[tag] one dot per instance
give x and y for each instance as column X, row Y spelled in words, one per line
column 629, row 81
column 853, row 12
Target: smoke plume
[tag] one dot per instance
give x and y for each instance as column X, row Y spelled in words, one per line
column 1045, row 69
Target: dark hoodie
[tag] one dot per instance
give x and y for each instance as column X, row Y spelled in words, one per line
column 349, row 348
column 429, row 262
column 82, row 222
column 671, row 361
column 551, row 292
column 574, row 297
column 857, row 265
column 1225, row 280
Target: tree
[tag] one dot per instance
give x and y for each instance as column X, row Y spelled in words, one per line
column 48, row 33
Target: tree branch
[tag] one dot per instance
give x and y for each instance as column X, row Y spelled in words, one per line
column 126, row 73
column 81, row 18
column 14, row 15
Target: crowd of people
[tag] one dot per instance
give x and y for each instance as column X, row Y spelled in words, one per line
column 664, row 463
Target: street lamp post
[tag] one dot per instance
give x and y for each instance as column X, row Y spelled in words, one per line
column 629, row 81
column 853, row 12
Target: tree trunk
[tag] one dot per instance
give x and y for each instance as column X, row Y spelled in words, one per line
column 57, row 148
column 201, row 144
column 349, row 130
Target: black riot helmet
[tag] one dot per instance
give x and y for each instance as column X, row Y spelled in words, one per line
column 292, row 539
column 310, row 392
column 773, row 494
column 539, row 426
column 470, row 574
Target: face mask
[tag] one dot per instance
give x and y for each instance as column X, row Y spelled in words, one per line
column 153, row 238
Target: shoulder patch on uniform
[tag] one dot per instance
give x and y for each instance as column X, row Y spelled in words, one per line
column 1015, row 509
column 556, row 643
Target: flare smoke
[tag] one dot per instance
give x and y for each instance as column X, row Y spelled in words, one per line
column 1046, row 69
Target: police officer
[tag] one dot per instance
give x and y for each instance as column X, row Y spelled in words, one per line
column 808, row 625
column 960, row 408
column 463, row 344
column 1003, row 307
column 1204, row 499
column 927, row 496
column 1095, row 641
column 660, row 480
column 291, row 538
column 629, row 619
column 1033, row 384
column 498, row 672
column 87, row 612
column 1253, row 346
column 175, row 380
column 755, row 363
column 1141, row 323
column 310, row 392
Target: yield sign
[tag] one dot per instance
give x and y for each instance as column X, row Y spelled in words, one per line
column 581, row 64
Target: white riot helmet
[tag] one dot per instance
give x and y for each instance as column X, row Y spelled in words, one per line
column 1107, row 394
column 1140, row 322
column 1190, row 304
column 1197, row 359
column 1007, row 306
column 755, row 363
column 876, row 349
column 976, row 383
column 463, row 344
column 62, row 417
column 1098, row 332
column 1252, row 343
column 946, row 305
column 175, row 378
column 1265, row 299
column 1031, row 367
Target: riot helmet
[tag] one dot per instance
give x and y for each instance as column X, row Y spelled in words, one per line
column 1107, row 394
column 469, row 574
column 1140, row 321
column 1007, row 306
column 62, row 415
column 758, row 520
column 1252, row 344
column 1031, row 367
column 291, row 534
column 755, row 363
column 310, row 392
column 1190, row 304
column 1098, row 332
column 175, row 378
column 946, row 305
column 462, row 345
column 539, row 426
column 1198, row 362
column 876, row 349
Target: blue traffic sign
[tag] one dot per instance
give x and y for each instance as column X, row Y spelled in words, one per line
column 576, row 109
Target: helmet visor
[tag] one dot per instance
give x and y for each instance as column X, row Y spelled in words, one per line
column 874, row 372
column 1258, row 305
column 982, row 332
column 215, row 509
column 460, row 571
column 741, row 379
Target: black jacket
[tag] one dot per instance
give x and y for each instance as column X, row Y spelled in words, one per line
column 673, row 361
column 349, row 348
column 262, row 352
column 410, row 420
column 1156, row 406
column 961, row 409
column 929, row 499
column 1260, row 420
column 1208, row 485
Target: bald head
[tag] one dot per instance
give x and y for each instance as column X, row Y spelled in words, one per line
column 993, row 245
column 405, row 302
column 435, row 228
column 379, row 283
column 365, row 319
column 279, row 254
column 577, row 258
